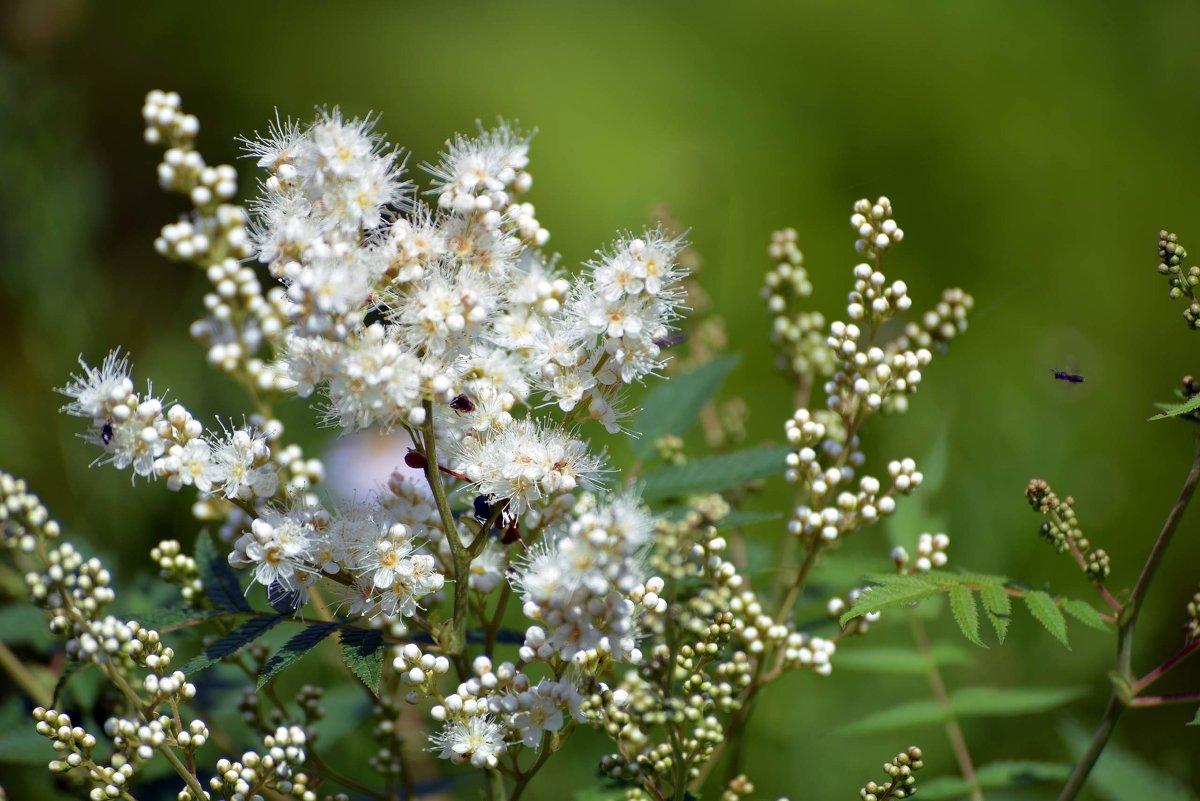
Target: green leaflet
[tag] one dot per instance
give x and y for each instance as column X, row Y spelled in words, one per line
column 1121, row 775
column 966, row 613
column 220, row 582
column 362, row 651
column 1085, row 613
column 293, row 649
column 995, row 776
column 1174, row 410
column 998, row 606
column 895, row 591
column 1046, row 612
column 971, row 702
column 232, row 642
column 715, row 473
column 899, row 661
column 173, row 617
column 673, row 406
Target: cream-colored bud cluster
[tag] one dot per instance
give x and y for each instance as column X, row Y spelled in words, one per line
column 795, row 331
column 24, row 520
column 278, row 768
column 940, row 325
column 1171, row 255
column 179, row 569
column 143, row 739
column 931, row 554
column 866, row 378
column 241, row 319
column 1191, row 629
column 901, row 782
column 876, row 229
column 419, row 671
column 75, row 747
column 297, row 473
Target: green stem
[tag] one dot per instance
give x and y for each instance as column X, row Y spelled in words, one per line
column 954, row 732
column 496, row 790
column 1126, row 622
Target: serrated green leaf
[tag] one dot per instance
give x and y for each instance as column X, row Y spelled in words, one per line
column 1174, row 410
column 293, row 649
column 998, row 606
column 888, row 592
column 673, row 406
column 1046, row 612
column 966, row 614
column 220, row 582
column 362, row 652
column 899, row 661
column 715, row 473
column 947, row 578
column 1121, row 775
column 231, row 643
column 1085, row 613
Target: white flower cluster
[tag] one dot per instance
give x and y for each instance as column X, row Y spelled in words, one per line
column 134, row 432
column 377, row 566
column 582, row 581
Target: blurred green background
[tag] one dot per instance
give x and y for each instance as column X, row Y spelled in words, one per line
column 1032, row 150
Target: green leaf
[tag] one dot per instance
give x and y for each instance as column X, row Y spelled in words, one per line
column 673, row 406
column 1121, row 775
column 220, row 582
column 966, row 614
column 972, row 702
column 1046, row 612
column 715, row 473
column 293, row 649
column 19, row 743
column 743, row 519
column 994, row 776
column 1085, row 613
column 24, row 624
column 362, row 652
column 231, row 643
column 944, row 788
column 998, row 606
column 899, row 661
column 949, row 579
column 889, row 591
column 173, row 617
column 975, row 702
column 1169, row 410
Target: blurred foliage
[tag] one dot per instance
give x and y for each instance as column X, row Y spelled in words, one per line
column 1032, row 150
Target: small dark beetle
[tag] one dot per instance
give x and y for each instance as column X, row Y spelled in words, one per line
column 1070, row 378
column 462, row 403
column 106, row 433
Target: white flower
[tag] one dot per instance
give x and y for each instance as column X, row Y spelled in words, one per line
column 478, row 740
column 542, row 715
column 241, row 466
column 96, row 391
column 527, row 462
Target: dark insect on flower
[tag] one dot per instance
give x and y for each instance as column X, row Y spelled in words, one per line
column 106, row 433
column 1070, row 378
column 462, row 403
column 415, row 460
column 671, row 340
column 483, row 509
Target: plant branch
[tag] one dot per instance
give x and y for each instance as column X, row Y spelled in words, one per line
column 1126, row 622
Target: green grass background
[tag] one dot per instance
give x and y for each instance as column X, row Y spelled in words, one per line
column 1031, row 149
